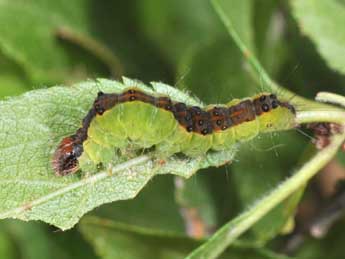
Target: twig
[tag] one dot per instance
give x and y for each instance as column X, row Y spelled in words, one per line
column 327, row 97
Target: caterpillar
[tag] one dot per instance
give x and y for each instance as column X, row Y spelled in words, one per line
column 141, row 120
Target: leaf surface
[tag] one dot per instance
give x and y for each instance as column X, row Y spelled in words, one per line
column 322, row 22
column 114, row 240
column 31, row 127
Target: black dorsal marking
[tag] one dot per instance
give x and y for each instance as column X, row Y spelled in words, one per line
column 192, row 118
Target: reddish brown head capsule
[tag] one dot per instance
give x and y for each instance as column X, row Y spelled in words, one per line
column 65, row 157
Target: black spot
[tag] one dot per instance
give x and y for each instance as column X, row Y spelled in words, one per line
column 224, row 127
column 200, row 122
column 274, row 104
column 132, row 98
column 99, row 110
column 215, row 111
column 190, row 128
column 265, row 107
column 291, row 108
column 195, row 110
column 180, row 107
column 100, row 93
column 78, row 150
column 204, row 131
column 262, row 98
column 219, row 122
column 99, row 166
column 131, row 91
column 188, row 117
column 229, row 122
column 273, row 96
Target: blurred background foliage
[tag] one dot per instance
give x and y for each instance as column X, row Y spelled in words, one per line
column 181, row 43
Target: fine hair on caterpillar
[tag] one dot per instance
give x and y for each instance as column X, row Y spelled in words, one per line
column 140, row 119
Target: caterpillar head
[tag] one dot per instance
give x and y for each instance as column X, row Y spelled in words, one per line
column 65, row 159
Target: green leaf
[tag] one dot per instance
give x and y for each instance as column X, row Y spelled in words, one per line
column 227, row 78
column 13, row 80
column 34, row 44
column 240, row 13
column 329, row 246
column 322, row 22
column 36, row 241
column 269, row 30
column 153, row 208
column 115, row 240
column 254, row 175
column 31, row 127
column 196, row 205
column 176, row 25
column 264, row 11
column 306, row 67
column 202, row 201
column 234, row 28
column 7, row 249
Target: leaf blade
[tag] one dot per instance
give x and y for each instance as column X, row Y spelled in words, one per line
column 31, row 127
column 320, row 21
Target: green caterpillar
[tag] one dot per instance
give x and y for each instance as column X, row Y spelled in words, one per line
column 139, row 119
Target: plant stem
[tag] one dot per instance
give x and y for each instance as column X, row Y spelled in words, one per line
column 336, row 116
column 247, row 53
column 330, row 98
